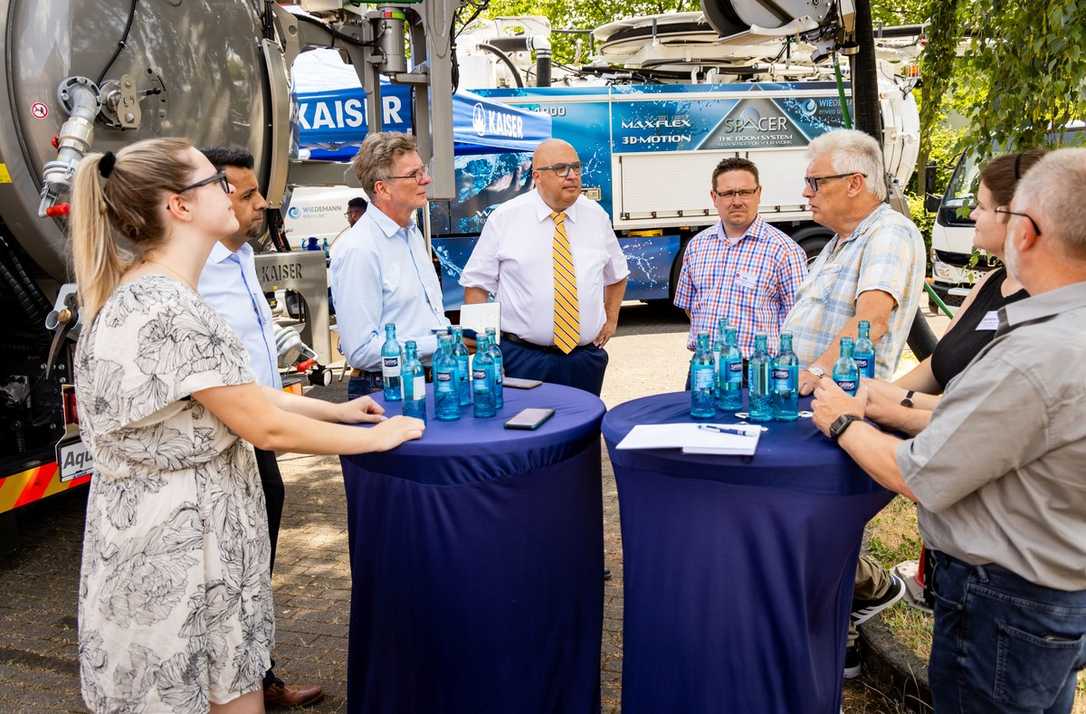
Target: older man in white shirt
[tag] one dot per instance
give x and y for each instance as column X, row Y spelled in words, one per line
column 552, row 260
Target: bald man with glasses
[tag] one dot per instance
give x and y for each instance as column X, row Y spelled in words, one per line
column 551, row 258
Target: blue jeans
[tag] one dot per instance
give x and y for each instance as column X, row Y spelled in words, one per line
column 1002, row 644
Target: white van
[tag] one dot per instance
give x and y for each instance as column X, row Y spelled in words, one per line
column 319, row 212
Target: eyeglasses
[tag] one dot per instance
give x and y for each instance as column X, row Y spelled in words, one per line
column 741, row 193
column 418, row 174
column 219, row 178
column 1009, row 212
column 814, row 182
column 562, row 170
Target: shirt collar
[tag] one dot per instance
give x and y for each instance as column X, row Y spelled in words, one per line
column 752, row 231
column 220, row 253
column 865, row 225
column 388, row 226
column 543, row 211
column 1045, row 305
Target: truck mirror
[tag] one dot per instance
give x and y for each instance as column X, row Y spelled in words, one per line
column 930, row 175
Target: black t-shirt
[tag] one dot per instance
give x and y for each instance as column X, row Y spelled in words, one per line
column 962, row 343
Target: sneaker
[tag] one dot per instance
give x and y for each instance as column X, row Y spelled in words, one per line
column 864, row 610
column 914, row 591
column 853, row 666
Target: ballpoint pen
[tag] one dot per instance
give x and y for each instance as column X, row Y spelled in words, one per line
column 724, row 429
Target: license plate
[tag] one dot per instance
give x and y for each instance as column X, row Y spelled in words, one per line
column 75, row 461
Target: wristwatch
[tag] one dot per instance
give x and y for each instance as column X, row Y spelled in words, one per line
column 817, row 371
column 837, row 428
column 908, row 400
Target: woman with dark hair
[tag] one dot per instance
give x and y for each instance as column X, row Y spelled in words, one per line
column 175, row 600
column 906, row 404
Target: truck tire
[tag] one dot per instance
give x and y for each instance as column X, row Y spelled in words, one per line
column 812, row 239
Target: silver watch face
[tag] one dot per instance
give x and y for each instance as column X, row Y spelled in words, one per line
column 817, row 371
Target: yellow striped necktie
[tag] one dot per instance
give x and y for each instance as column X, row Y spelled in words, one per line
column 567, row 321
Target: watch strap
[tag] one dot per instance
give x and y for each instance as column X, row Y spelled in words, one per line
column 908, row 400
column 842, row 423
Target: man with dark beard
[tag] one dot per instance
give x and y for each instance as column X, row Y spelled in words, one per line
column 229, row 284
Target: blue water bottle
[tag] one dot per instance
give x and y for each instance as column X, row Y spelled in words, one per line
column 718, row 349
column 845, row 371
column 761, row 407
column 482, row 379
column 463, row 366
column 701, row 380
column 786, row 381
column 391, row 364
column 414, row 383
column 499, row 367
column 864, row 350
column 446, row 395
column 730, row 375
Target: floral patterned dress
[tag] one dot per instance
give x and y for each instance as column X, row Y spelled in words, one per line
column 175, row 602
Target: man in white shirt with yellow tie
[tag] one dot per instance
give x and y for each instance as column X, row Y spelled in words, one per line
column 552, row 260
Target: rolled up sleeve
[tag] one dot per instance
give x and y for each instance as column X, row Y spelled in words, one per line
column 991, row 421
column 481, row 270
column 616, row 268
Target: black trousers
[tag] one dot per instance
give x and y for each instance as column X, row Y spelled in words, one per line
column 582, row 368
column 274, row 494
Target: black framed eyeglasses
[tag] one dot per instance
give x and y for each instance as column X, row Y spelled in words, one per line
column 742, row 193
column 563, row 169
column 418, row 174
column 1009, row 212
column 815, row 182
column 219, row 177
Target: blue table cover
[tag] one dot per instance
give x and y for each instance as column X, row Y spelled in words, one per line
column 738, row 571
column 476, row 555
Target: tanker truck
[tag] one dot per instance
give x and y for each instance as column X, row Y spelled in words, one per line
column 97, row 75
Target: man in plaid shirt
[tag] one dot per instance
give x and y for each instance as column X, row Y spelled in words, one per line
column 742, row 268
column 872, row 269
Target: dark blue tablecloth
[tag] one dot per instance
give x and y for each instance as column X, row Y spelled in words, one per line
column 476, row 555
column 738, row 570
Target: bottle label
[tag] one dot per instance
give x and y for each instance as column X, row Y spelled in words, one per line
column 390, row 367
column 782, row 380
column 735, row 372
column 847, row 385
column 479, row 376
column 703, row 379
column 444, row 382
column 419, row 389
column 861, row 362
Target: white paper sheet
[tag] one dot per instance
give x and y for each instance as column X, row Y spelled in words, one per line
column 693, row 438
column 482, row 315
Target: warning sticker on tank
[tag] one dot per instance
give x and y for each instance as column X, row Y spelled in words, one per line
column 5, row 177
column 39, row 110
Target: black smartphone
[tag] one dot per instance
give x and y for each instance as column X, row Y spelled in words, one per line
column 519, row 383
column 529, row 418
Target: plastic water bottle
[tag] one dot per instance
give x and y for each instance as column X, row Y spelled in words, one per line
column 463, row 367
column 391, row 363
column 761, row 407
column 499, row 367
column 845, row 371
column 730, row 374
column 482, row 379
column 701, row 380
column 786, row 381
column 325, row 247
column 446, row 395
column 864, row 350
column 414, row 383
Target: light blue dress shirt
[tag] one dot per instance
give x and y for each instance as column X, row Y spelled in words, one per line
column 382, row 273
column 229, row 285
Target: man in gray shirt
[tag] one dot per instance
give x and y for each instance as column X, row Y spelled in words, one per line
column 999, row 474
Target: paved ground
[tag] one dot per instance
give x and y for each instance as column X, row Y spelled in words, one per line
column 38, row 655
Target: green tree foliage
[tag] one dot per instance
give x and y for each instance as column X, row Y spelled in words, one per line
column 937, row 69
column 1029, row 64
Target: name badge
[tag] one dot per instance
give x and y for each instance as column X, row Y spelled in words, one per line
column 748, row 280
column 990, row 322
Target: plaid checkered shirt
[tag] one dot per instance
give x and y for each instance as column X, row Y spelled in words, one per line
column 884, row 252
column 752, row 281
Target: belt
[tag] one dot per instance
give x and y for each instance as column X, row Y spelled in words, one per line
column 533, row 346
column 358, row 373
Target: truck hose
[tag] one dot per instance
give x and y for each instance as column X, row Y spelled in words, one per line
column 20, row 273
column 26, row 301
column 505, row 60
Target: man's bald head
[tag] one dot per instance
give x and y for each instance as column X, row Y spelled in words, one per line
column 556, row 170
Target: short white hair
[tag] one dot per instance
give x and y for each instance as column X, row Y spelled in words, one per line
column 853, row 151
column 1051, row 193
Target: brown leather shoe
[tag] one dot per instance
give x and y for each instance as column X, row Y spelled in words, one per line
column 279, row 695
